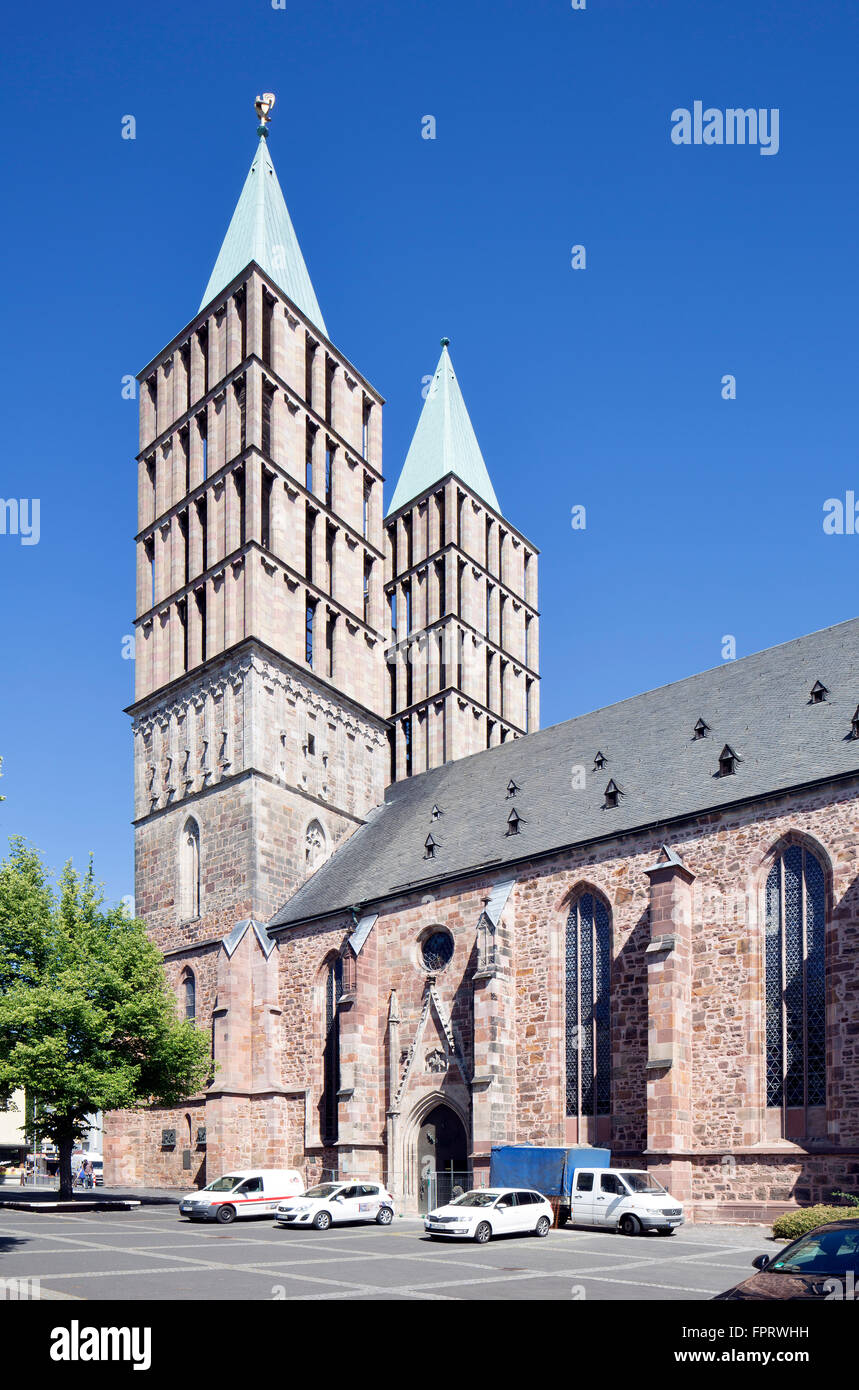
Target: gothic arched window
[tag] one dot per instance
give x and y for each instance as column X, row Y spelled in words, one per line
column 333, row 988
column 189, row 869
column 189, row 992
column 795, row 981
column 588, row 1030
column 315, row 845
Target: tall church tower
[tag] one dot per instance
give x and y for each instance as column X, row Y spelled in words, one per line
column 463, row 667
column 259, row 716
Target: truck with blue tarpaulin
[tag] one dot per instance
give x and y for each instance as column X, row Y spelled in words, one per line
column 546, row 1170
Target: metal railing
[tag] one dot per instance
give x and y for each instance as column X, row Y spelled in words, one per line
column 441, row 1187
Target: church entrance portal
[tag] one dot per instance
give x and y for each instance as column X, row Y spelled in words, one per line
column 442, row 1157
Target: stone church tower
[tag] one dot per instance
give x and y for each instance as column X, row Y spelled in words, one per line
column 462, row 595
column 259, row 719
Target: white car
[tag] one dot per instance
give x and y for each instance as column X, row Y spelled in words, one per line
column 332, row 1202
column 245, row 1192
column 629, row 1200
column 492, row 1211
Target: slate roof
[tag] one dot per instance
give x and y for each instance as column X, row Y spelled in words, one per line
column 760, row 705
column 261, row 230
column 444, row 442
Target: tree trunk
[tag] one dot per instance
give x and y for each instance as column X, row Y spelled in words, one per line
column 65, row 1147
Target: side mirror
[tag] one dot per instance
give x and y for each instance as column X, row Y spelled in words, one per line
column 761, row 1261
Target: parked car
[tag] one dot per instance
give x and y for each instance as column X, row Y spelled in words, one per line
column 629, row 1200
column 491, row 1211
column 331, row 1202
column 246, row 1192
column 824, row 1265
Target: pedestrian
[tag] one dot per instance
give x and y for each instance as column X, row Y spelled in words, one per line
column 88, row 1174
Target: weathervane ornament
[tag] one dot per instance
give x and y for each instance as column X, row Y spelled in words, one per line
column 263, row 106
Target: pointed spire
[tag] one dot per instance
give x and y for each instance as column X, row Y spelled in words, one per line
column 444, row 442
column 261, row 230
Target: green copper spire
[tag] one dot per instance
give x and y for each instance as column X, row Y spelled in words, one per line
column 261, row 230
column 444, row 442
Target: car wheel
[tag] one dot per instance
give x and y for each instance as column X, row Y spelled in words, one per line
column 384, row 1216
column 226, row 1214
column 483, row 1233
column 628, row 1225
column 322, row 1220
column 543, row 1226
column 665, row 1231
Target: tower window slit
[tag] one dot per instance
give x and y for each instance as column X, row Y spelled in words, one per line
column 329, row 474
column 200, row 597
column 149, row 552
column 309, row 527
column 268, row 393
column 182, row 610
column 186, row 557
column 265, row 506
column 267, row 321
column 309, row 616
column 239, row 477
column 329, row 642
column 202, row 517
column 330, row 535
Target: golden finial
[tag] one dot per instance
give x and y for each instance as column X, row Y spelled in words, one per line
column 263, row 106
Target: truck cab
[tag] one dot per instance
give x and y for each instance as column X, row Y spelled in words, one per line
column 629, row 1200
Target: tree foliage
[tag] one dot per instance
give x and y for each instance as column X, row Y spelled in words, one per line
column 87, row 1019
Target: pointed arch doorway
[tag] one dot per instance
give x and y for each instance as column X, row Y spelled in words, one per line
column 442, row 1156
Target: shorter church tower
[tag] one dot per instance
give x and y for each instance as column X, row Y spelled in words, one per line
column 463, row 665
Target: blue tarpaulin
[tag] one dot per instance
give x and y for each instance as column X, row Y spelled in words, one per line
column 550, row 1171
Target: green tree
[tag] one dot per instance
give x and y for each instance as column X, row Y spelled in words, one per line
column 87, row 1019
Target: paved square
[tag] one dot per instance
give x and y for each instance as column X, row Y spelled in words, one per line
column 151, row 1254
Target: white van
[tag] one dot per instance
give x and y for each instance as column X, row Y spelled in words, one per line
column 629, row 1200
column 244, row 1192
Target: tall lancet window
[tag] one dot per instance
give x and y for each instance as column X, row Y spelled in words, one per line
column 189, row 869
column 189, row 991
column 331, row 1055
column 795, row 987
column 588, row 1031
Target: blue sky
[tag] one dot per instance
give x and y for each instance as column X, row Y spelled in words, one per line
column 599, row 387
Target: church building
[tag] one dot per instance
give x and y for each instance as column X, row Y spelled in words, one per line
column 415, row 924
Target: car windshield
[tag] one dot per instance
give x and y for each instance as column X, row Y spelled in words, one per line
column 642, row 1182
column 223, row 1185
column 475, row 1199
column 821, row 1252
column 325, row 1189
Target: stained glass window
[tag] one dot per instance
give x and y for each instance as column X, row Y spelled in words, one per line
column 795, row 981
column 588, row 1027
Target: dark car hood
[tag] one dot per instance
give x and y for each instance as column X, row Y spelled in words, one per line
column 783, row 1287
